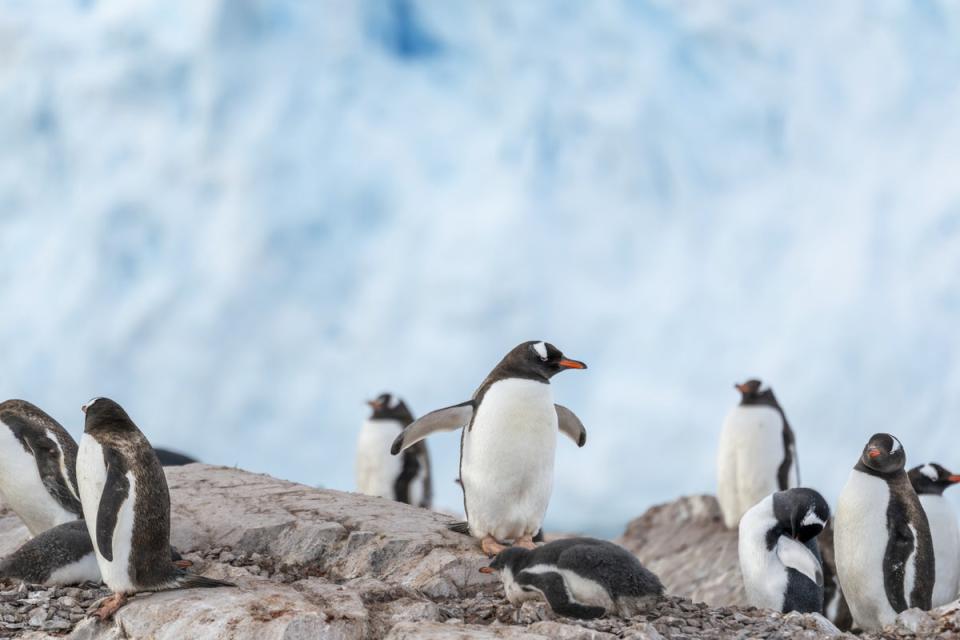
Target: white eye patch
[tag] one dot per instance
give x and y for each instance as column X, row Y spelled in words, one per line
column 811, row 518
column 90, row 403
column 896, row 445
column 930, row 472
column 541, row 349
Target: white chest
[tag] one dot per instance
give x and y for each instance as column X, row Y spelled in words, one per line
column 22, row 487
column 508, row 457
column 764, row 576
column 860, row 541
column 946, row 547
column 91, row 478
column 376, row 469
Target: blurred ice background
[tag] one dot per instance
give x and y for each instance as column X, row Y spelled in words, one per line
column 243, row 218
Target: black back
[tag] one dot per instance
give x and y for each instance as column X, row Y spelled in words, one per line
column 801, row 514
column 416, row 457
column 125, row 448
column 753, row 394
column 33, row 428
column 884, row 457
column 610, row 565
column 170, row 458
column 43, row 554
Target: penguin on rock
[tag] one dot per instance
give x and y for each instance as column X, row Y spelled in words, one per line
column 779, row 557
column 126, row 505
column 404, row 478
column 882, row 542
column 757, row 453
column 508, row 444
column 37, row 467
column 579, row 577
column 929, row 481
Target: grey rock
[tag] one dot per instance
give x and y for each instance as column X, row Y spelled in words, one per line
column 687, row 545
column 915, row 621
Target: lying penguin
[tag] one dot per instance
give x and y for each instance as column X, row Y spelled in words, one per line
column 779, row 558
column 579, row 577
column 929, row 481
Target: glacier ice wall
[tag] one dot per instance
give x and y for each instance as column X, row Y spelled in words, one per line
column 240, row 219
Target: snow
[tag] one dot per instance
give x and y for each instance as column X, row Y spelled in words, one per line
column 242, row 219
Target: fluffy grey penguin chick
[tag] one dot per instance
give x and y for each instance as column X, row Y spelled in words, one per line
column 579, row 577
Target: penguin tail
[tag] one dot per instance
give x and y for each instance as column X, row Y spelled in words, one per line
column 459, row 527
column 193, row 581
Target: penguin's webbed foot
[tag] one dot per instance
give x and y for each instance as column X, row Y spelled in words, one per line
column 109, row 606
column 490, row 546
column 526, row 542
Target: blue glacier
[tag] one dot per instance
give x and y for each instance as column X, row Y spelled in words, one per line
column 242, row 219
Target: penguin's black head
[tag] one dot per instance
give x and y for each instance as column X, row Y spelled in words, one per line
column 513, row 558
column 753, row 392
column 105, row 413
column 883, row 454
column 538, row 359
column 802, row 513
column 390, row 407
column 931, row 479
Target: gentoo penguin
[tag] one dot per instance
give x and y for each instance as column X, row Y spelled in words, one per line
column 882, row 538
column 757, row 453
column 126, row 504
column 61, row 555
column 779, row 558
column 508, row 443
column 580, row 578
column 170, row 458
column 405, row 478
column 929, row 481
column 37, row 467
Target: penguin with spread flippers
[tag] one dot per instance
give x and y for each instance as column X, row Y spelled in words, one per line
column 757, row 453
column 929, row 481
column 37, row 467
column 579, row 577
column 779, row 557
column 126, row 504
column 882, row 541
column 404, row 478
column 508, row 444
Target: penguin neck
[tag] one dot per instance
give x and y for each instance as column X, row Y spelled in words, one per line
column 506, row 371
column 892, row 477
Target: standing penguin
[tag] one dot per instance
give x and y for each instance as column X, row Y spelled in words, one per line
column 779, row 557
column 508, row 443
column 405, row 478
column 882, row 538
column 579, row 577
column 37, row 467
column 757, row 453
column 929, row 481
column 126, row 504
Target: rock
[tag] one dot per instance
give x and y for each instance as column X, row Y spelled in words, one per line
column 687, row 545
column 440, row 631
column 915, row 621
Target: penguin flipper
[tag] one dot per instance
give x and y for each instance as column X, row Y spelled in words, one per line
column 116, row 489
column 446, row 419
column 554, row 590
column 570, row 424
column 797, row 556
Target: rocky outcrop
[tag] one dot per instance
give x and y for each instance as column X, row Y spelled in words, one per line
column 320, row 564
column 686, row 543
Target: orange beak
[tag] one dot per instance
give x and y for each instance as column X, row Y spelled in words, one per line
column 572, row 364
column 953, row 478
column 873, row 452
column 742, row 388
column 373, row 404
column 487, row 570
